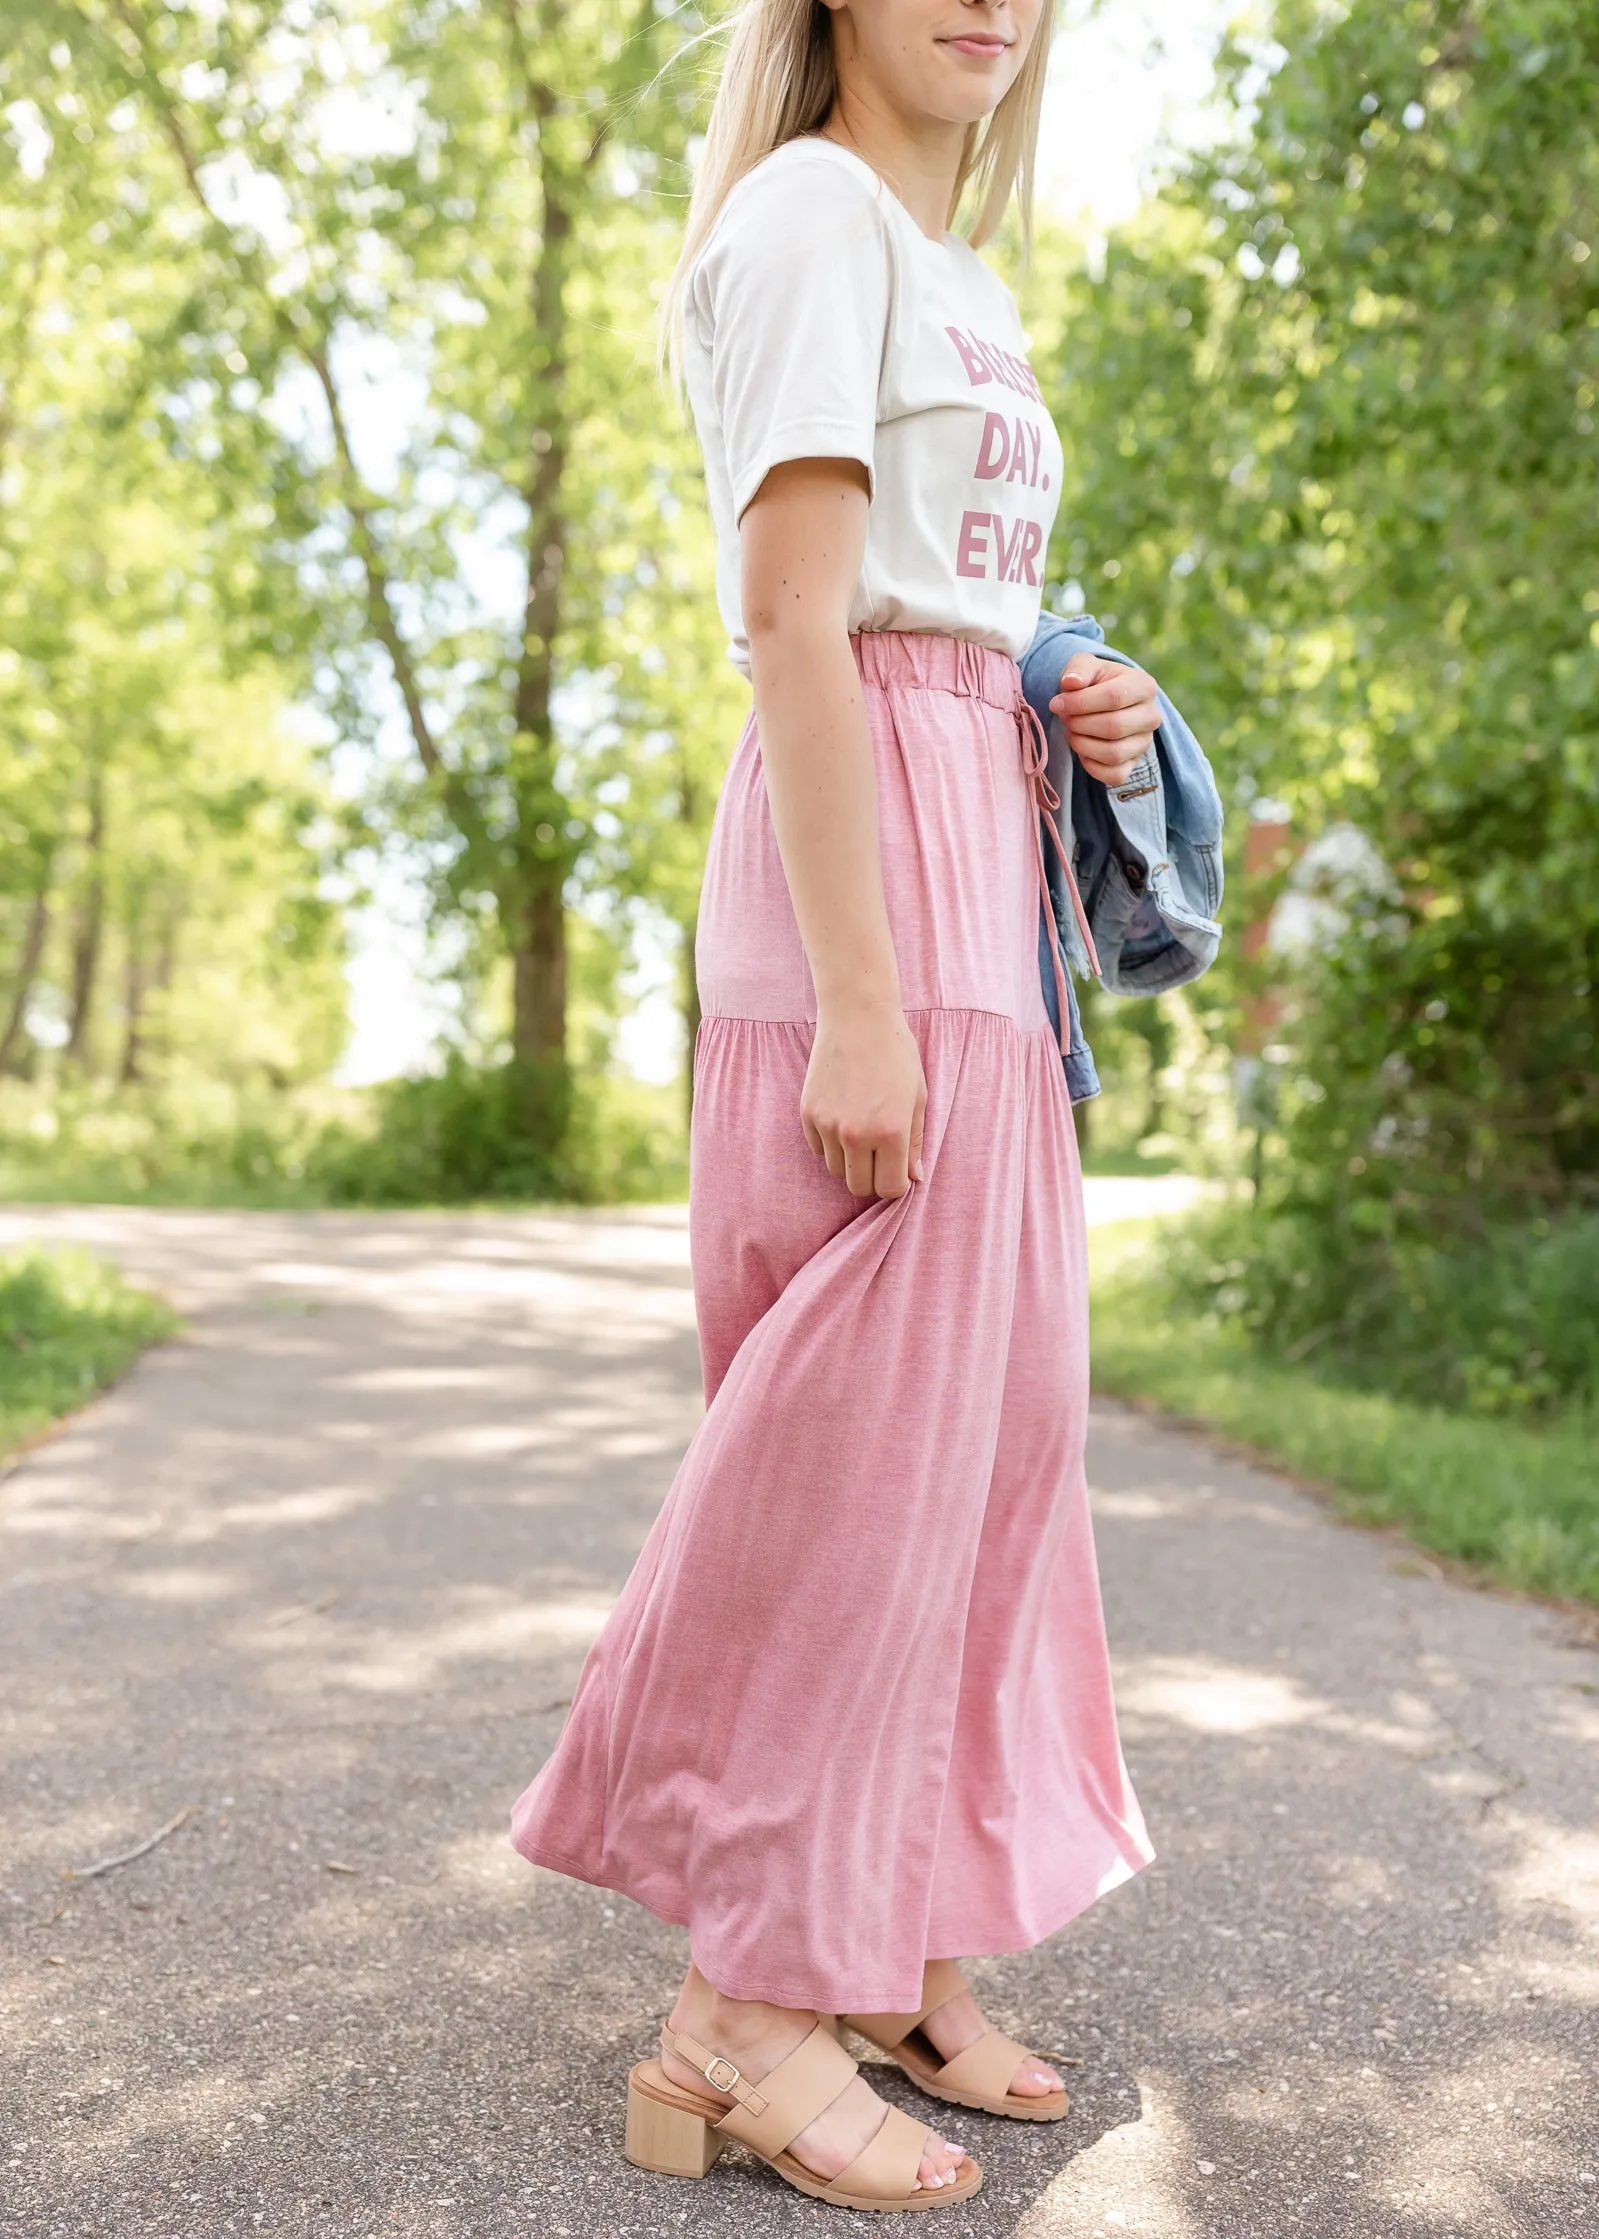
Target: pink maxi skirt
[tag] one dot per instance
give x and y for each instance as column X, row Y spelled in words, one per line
column 853, row 1710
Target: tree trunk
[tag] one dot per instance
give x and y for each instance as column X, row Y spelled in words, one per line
column 13, row 1040
column 90, row 926
column 134, row 990
column 166, row 964
column 538, row 980
column 141, row 984
column 533, row 907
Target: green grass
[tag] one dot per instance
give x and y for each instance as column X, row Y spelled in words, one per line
column 1519, row 1504
column 68, row 1326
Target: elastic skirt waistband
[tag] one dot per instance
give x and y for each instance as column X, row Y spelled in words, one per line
column 938, row 664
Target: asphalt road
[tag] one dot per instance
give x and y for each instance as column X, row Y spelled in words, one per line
column 323, row 1572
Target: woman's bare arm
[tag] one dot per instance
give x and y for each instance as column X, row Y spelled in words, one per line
column 801, row 540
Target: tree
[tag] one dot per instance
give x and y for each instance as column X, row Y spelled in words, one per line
column 163, row 837
column 1341, row 390
column 420, row 244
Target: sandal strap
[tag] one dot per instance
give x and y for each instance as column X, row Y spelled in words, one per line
column 942, row 1980
column 768, row 2116
column 987, row 2068
column 886, row 2166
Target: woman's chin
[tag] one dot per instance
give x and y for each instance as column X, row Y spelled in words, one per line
column 966, row 89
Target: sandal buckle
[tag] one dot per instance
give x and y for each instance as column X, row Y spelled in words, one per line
column 716, row 2061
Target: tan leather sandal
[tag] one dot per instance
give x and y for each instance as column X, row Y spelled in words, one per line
column 978, row 2077
column 680, row 2132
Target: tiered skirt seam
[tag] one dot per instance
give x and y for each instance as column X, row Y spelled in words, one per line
column 912, row 1010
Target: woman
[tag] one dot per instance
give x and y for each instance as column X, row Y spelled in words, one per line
column 851, row 1716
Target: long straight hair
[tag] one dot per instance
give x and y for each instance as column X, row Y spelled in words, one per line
column 778, row 81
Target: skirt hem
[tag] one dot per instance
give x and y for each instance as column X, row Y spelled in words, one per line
column 882, row 1996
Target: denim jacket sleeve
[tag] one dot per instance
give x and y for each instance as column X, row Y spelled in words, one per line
column 1148, row 853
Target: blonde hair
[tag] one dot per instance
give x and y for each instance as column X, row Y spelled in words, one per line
column 778, row 81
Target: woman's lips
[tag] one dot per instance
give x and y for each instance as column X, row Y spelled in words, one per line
column 987, row 48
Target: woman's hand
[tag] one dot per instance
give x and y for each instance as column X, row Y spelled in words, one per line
column 1109, row 714
column 864, row 1098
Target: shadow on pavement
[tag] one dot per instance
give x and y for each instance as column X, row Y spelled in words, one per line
column 327, row 1569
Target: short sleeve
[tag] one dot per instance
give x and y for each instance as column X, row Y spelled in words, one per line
column 793, row 294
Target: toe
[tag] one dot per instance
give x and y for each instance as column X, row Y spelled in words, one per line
column 940, row 2165
column 1035, row 2079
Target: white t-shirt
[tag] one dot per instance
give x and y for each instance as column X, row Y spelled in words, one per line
column 821, row 322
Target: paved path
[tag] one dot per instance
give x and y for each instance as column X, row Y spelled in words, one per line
column 326, row 1569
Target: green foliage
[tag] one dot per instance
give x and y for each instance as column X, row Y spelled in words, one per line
column 403, row 267
column 1502, row 1323
column 627, row 1144
column 1522, row 1505
column 317, row 337
column 444, row 1138
column 68, row 1325
column 1164, row 1104
column 1332, row 471
column 1335, row 473
column 1438, row 176
column 460, row 1136
column 325, row 371
column 454, row 1138
column 164, row 836
column 187, row 1141
column 358, row 305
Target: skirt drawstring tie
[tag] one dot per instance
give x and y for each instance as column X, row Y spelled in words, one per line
column 1046, row 801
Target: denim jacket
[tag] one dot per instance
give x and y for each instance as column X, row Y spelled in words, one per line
column 1147, row 854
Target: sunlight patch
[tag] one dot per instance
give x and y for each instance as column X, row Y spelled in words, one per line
column 1212, row 1698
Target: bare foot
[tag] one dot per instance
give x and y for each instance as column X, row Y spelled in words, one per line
column 959, row 2022
column 755, row 2037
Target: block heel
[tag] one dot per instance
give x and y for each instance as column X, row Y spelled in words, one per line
column 662, row 2134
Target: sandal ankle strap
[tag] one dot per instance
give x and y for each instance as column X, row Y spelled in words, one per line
column 789, row 2097
column 720, row 2073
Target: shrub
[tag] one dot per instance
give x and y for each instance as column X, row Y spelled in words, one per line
column 442, row 1139
column 1502, row 1322
column 1520, row 1498
column 68, row 1324
column 183, row 1141
column 474, row 1132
